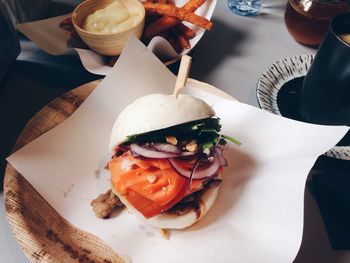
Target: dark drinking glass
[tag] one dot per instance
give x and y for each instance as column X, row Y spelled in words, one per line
column 9, row 44
column 325, row 93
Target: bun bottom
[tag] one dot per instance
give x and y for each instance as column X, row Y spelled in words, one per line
column 174, row 220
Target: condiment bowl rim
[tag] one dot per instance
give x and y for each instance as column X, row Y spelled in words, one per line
column 75, row 14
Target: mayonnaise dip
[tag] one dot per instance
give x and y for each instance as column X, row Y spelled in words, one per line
column 116, row 17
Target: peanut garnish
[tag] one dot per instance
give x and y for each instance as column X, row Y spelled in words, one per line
column 164, row 233
column 206, row 151
column 171, row 139
column 192, row 146
column 151, row 178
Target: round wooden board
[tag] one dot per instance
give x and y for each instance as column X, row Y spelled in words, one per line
column 41, row 232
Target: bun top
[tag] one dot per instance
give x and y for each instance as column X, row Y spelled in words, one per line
column 157, row 111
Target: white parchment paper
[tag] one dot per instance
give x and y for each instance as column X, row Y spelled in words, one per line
column 258, row 216
column 47, row 35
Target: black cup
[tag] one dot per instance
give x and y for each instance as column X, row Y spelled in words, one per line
column 325, row 93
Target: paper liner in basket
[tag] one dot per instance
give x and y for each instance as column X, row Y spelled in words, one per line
column 258, row 216
column 54, row 40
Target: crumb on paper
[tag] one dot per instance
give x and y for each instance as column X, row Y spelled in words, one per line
column 126, row 258
column 164, row 233
column 68, row 191
column 97, row 174
column 149, row 234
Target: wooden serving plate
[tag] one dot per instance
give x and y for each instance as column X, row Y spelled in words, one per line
column 43, row 234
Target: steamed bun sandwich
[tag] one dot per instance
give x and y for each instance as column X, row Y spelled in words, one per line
column 167, row 160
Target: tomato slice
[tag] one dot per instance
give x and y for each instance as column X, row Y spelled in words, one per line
column 150, row 185
column 149, row 208
column 147, row 163
column 145, row 206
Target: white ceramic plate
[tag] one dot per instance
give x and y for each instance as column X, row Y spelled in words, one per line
column 271, row 81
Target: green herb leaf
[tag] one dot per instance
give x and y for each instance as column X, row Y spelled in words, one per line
column 205, row 131
column 231, row 139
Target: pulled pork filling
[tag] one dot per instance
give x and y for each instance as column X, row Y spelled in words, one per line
column 193, row 200
column 105, row 203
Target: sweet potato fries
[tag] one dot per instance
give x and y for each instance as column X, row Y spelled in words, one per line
column 165, row 19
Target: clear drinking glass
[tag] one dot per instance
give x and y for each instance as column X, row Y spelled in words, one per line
column 244, row 7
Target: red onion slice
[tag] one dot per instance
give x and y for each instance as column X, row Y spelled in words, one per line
column 151, row 153
column 185, row 154
column 200, row 172
column 165, row 147
column 169, row 148
column 223, row 161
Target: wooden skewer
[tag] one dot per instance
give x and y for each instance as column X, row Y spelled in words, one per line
column 183, row 74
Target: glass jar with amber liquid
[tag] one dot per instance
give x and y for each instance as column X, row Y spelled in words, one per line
column 308, row 20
